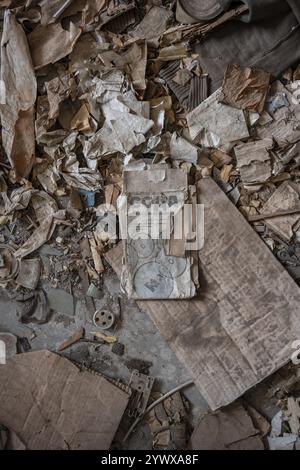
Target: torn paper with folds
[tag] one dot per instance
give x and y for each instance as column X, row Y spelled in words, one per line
column 17, row 96
column 58, row 89
column 53, row 405
column 108, row 87
column 286, row 197
column 118, row 135
column 182, row 149
column 284, row 110
column 67, row 165
column 133, row 61
column 18, row 199
column 59, row 9
column 48, row 44
column 150, row 269
column 254, row 162
column 213, row 124
column 127, row 121
column 47, row 215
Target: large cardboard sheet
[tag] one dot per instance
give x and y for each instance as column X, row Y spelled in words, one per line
column 51, row 405
column 241, row 328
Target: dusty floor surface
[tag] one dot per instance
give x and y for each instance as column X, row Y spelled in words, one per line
column 144, row 350
column 122, row 62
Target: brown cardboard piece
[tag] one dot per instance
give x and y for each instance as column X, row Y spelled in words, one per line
column 240, row 329
column 245, row 88
column 51, row 405
column 229, row 429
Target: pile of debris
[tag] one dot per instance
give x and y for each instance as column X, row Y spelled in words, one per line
column 109, row 101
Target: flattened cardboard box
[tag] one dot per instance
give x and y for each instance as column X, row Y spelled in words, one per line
column 51, row 405
column 241, row 328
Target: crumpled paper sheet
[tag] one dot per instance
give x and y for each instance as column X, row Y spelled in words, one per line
column 286, row 197
column 66, row 164
column 182, row 149
column 18, row 199
column 133, row 61
column 214, row 124
column 245, row 88
column 58, row 89
column 122, row 130
column 278, row 440
column 18, row 95
column 48, row 215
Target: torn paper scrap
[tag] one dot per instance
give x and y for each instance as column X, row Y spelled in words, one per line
column 245, row 88
column 52, row 405
column 285, row 442
column 182, row 149
column 121, row 134
column 50, row 43
column 254, row 161
column 231, row 338
column 153, row 25
column 286, row 197
column 17, row 97
column 48, row 216
column 283, row 108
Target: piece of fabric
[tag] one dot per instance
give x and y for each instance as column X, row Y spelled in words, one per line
column 269, row 42
column 258, row 9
